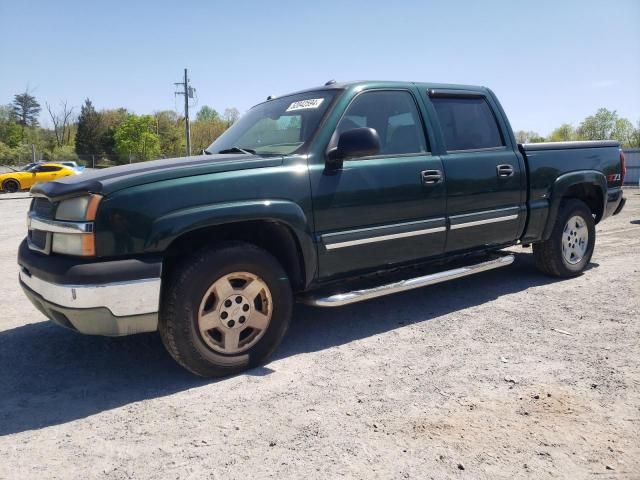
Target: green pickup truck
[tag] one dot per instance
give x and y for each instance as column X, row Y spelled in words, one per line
column 327, row 196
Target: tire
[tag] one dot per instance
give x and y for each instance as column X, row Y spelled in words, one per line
column 214, row 330
column 10, row 186
column 568, row 250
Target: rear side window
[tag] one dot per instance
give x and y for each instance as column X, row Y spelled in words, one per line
column 467, row 123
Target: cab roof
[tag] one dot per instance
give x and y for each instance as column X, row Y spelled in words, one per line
column 389, row 84
column 361, row 84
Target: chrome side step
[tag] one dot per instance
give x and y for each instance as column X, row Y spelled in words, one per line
column 340, row 299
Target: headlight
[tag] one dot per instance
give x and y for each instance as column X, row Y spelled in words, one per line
column 74, row 244
column 79, row 208
column 80, row 211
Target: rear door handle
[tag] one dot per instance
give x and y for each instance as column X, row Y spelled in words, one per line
column 505, row 170
column 431, row 177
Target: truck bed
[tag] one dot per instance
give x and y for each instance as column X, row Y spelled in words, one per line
column 551, row 164
column 547, row 161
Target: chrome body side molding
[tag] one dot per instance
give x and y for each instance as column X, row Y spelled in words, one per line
column 484, row 222
column 383, row 233
column 382, row 238
column 484, row 217
column 362, row 236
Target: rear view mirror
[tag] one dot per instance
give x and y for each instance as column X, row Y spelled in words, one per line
column 357, row 142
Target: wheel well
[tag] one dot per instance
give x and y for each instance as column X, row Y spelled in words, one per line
column 274, row 237
column 589, row 194
column 10, row 180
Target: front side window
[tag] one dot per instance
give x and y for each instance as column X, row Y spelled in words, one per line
column 393, row 114
column 43, row 168
column 277, row 127
column 467, row 123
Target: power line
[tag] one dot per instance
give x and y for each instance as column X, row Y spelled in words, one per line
column 188, row 92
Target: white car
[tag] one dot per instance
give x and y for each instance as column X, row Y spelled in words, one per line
column 74, row 165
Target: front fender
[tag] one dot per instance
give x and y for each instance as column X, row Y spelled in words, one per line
column 15, row 179
column 167, row 228
column 562, row 185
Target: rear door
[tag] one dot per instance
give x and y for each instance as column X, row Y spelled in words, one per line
column 383, row 209
column 485, row 177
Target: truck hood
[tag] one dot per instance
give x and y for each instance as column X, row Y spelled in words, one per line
column 111, row 179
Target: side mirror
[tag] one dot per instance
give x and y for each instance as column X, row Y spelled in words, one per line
column 357, row 142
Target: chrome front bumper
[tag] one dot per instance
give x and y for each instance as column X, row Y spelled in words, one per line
column 112, row 309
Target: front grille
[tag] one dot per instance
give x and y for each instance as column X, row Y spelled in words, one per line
column 38, row 239
column 42, row 207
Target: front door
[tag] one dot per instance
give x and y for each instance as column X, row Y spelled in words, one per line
column 384, row 209
column 485, row 177
column 47, row 173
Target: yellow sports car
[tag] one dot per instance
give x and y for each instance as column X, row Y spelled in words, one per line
column 41, row 172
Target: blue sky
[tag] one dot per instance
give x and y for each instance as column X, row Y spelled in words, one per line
column 548, row 61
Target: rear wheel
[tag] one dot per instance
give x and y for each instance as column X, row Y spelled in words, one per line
column 225, row 310
column 11, row 186
column 568, row 250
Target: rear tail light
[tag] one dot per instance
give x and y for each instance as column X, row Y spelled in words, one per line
column 623, row 168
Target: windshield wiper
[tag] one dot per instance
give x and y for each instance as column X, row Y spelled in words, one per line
column 247, row 151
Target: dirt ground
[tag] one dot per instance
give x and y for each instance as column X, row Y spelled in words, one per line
column 462, row 380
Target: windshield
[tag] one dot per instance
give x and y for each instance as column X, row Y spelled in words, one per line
column 278, row 127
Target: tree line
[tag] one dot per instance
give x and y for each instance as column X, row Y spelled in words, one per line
column 120, row 136
column 105, row 136
column 603, row 125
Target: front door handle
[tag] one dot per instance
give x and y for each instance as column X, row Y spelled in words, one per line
column 505, row 170
column 431, row 177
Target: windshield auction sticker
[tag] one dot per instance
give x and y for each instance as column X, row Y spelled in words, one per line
column 304, row 104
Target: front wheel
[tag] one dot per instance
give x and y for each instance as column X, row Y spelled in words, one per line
column 568, row 250
column 11, row 186
column 225, row 310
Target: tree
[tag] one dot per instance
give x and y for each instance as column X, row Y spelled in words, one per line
column 90, row 130
column 111, row 120
column 623, row 132
column 168, row 127
column 61, row 121
column 528, row 137
column 564, row 133
column 207, row 114
column 60, row 154
column 11, row 134
column 6, row 153
column 635, row 139
column 6, row 114
column 599, row 126
column 230, row 115
column 136, row 137
column 14, row 156
column 26, row 109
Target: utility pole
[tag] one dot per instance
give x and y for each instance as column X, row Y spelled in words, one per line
column 187, row 91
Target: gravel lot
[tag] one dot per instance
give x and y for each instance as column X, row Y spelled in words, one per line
column 462, row 380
